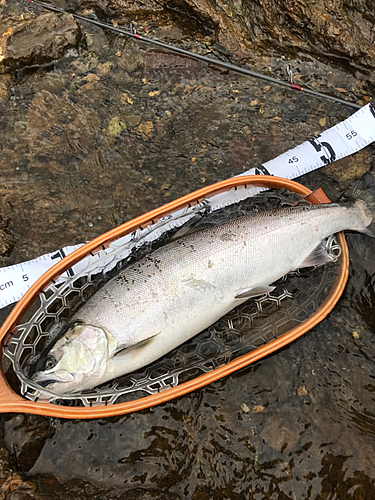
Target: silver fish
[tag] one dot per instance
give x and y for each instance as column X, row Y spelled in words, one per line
column 178, row 290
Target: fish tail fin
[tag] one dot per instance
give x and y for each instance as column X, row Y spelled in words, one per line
column 362, row 195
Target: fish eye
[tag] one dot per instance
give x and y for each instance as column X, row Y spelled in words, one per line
column 50, row 363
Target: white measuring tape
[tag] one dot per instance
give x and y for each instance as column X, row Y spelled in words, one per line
column 344, row 139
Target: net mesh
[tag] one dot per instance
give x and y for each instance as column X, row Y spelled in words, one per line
column 251, row 325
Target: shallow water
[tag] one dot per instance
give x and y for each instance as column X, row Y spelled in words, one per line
column 111, row 131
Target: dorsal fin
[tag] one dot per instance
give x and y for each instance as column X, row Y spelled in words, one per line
column 193, row 225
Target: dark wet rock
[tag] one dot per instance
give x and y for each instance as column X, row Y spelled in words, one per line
column 4, row 87
column 145, row 494
column 97, row 42
column 5, row 469
column 340, row 30
column 52, row 83
column 12, row 485
column 361, row 287
column 7, row 238
column 334, row 29
column 161, row 67
column 325, row 27
column 36, row 41
column 348, row 169
column 27, row 434
column 16, row 488
column 279, row 435
column 133, row 7
column 47, row 115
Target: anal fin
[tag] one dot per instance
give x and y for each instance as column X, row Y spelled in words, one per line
column 317, row 257
column 247, row 293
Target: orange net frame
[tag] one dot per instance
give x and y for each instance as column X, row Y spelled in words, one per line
column 11, row 401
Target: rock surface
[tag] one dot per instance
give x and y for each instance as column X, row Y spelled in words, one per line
column 37, row 40
column 337, row 29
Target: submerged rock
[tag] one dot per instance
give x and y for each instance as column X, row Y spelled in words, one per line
column 7, row 239
column 279, row 435
column 37, row 41
column 148, row 494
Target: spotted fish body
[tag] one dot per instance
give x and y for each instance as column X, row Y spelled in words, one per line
column 182, row 288
column 178, row 290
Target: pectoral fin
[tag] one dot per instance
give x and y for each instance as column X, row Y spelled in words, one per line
column 139, row 345
column 247, row 293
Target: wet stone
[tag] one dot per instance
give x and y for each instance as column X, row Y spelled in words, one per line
column 97, row 42
column 5, row 469
column 37, row 41
column 348, row 168
column 15, row 488
column 55, row 83
column 47, row 114
column 27, row 434
column 3, row 91
column 148, row 494
column 7, row 238
column 347, row 33
column 278, row 435
column 82, row 66
column 134, row 7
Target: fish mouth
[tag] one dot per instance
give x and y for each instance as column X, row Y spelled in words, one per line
column 45, row 383
column 58, row 377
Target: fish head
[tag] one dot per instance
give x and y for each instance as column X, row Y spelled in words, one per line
column 76, row 362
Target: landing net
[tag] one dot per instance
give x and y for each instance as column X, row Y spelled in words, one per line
column 251, row 325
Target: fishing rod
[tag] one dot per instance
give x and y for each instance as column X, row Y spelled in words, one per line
column 208, row 60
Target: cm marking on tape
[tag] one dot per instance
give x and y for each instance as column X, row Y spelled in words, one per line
column 4, row 286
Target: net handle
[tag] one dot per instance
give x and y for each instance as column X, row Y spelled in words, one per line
column 12, row 402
